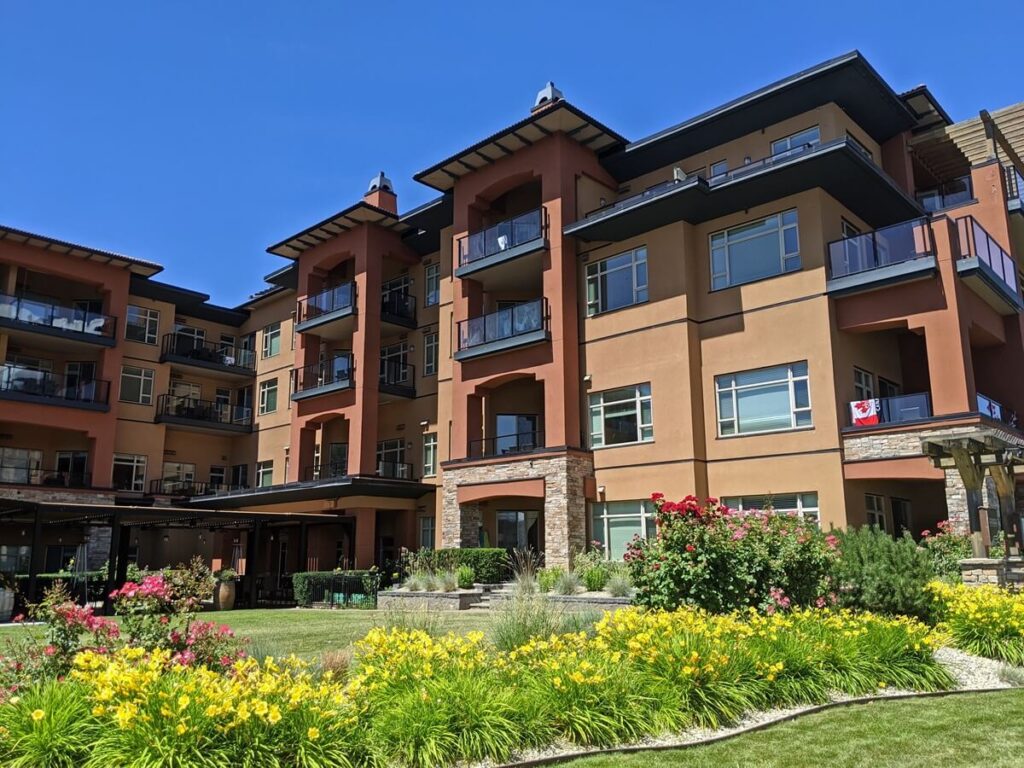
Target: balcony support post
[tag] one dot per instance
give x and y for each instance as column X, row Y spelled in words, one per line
column 1006, row 491
column 972, row 474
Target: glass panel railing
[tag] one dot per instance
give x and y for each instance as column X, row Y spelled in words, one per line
column 901, row 242
column 506, row 323
column 176, row 486
column 506, row 445
column 502, row 236
column 53, row 386
column 397, row 372
column 193, row 409
column 1014, row 183
column 996, row 410
column 398, row 305
column 891, row 410
column 339, row 297
column 335, row 370
column 330, row 471
column 394, row 470
column 21, row 474
column 43, row 314
column 976, row 242
column 186, row 346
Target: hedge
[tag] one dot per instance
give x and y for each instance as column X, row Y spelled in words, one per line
column 304, row 584
column 490, row 565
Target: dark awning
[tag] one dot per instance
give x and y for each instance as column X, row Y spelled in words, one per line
column 330, row 488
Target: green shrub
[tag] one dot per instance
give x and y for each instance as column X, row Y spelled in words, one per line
column 310, row 585
column 48, row 726
column 466, row 576
column 595, row 578
column 447, row 581
column 567, row 583
column 619, row 585
column 946, row 549
column 546, row 578
column 523, row 618
column 878, row 573
column 490, row 565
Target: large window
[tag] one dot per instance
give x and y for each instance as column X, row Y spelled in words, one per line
column 428, row 526
column 765, row 400
column 272, row 340
column 391, row 459
column 874, row 507
column 863, row 384
column 20, row 465
column 756, row 250
column 797, row 141
column 619, row 281
column 264, row 473
column 430, row 455
column 129, row 472
column 432, row 277
column 804, row 505
column 142, row 324
column 430, row 353
column 615, row 523
column 620, row 416
column 136, row 385
column 268, row 396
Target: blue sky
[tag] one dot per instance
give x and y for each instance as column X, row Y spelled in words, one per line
column 197, row 134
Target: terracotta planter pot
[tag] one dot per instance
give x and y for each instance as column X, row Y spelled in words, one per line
column 224, row 596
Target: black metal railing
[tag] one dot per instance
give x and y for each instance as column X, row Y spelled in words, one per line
column 996, row 410
column 338, row 369
column 628, row 202
column 891, row 410
column 193, row 409
column 174, row 486
column 976, row 242
column 895, row 244
column 947, row 195
column 185, row 346
column 395, row 470
column 16, row 379
column 502, row 236
column 339, row 297
column 397, row 373
column 325, row 471
column 13, row 474
column 1014, row 183
column 44, row 314
column 506, row 445
column 398, row 306
column 506, row 323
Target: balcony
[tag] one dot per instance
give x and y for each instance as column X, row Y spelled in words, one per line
column 19, row 474
column 506, row 445
column 398, row 309
column 839, row 167
column 204, row 415
column 65, row 323
column 325, row 472
column 332, row 375
column 173, row 486
column 876, row 259
column 996, row 411
column 901, row 409
column 502, row 243
column 397, row 378
column 183, row 350
column 329, row 314
column 1014, row 189
column 394, row 470
column 509, row 328
column 28, row 385
column 987, row 268
column 949, row 194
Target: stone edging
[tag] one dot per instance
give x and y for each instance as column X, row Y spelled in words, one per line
column 627, row 750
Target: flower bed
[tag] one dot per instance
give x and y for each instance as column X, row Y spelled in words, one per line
column 984, row 620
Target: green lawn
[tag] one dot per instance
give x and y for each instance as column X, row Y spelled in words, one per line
column 984, row 730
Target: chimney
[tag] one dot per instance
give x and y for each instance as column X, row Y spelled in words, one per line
column 381, row 194
column 547, row 96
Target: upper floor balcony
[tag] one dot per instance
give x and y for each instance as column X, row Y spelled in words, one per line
column 329, row 313
column 180, row 349
column 1014, row 189
column 331, row 375
column 495, row 248
column 507, row 445
column 399, row 309
column 23, row 474
column 900, row 409
column 520, row 325
column 203, row 415
column 898, row 253
column 987, row 268
column 397, row 377
column 180, row 487
column 29, row 385
column 67, row 323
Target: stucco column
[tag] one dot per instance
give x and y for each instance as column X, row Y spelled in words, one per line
column 366, row 339
column 303, row 450
column 366, row 537
column 101, row 459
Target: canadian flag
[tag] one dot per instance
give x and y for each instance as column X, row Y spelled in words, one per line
column 864, row 412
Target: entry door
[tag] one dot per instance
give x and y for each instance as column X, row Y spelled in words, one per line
column 900, row 516
column 517, row 529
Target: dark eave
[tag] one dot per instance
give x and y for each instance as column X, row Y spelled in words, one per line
column 187, row 302
column 313, row 490
column 926, row 108
column 137, row 266
column 425, row 224
column 560, row 116
column 285, row 277
column 848, row 80
column 351, row 218
column 838, row 167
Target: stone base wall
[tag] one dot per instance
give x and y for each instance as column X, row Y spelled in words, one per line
column 572, row 602
column 432, row 601
column 25, row 493
column 1003, row 573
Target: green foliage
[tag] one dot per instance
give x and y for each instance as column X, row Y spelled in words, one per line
column 47, row 726
column 619, row 585
column 984, row 620
column 524, row 617
column 447, row 581
column 310, row 585
column 946, row 549
column 567, row 583
column 490, row 565
column 466, row 576
column 546, row 578
column 876, row 572
column 594, row 579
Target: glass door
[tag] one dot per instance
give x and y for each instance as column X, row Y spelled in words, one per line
column 517, row 529
column 515, row 433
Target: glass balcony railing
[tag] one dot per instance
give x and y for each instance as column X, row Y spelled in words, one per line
column 506, row 445
column 395, row 372
column 996, row 410
column 21, row 474
column 395, row 305
column 176, row 486
column 208, row 411
column 189, row 347
column 31, row 312
column 947, row 195
column 502, row 236
column 15, row 379
column 891, row 410
column 329, row 471
column 333, row 299
column 506, row 323
column 338, row 369
column 394, row 470
column 901, row 242
column 1014, row 183
column 976, row 242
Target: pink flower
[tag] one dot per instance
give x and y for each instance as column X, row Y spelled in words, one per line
column 690, row 548
column 49, row 650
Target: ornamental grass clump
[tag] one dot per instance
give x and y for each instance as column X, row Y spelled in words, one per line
column 984, row 620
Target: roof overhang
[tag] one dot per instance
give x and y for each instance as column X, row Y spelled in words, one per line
column 72, row 513
column 187, row 302
column 316, row 489
column 137, row 266
column 343, row 221
column 559, row 117
column 926, row 108
column 848, row 80
column 425, row 224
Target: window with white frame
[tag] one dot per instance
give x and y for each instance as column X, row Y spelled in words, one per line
column 428, row 527
column 874, row 507
column 129, row 472
column 141, row 324
column 432, row 278
column 621, row 416
column 430, row 454
column 430, row 353
column 218, row 477
column 615, row 523
column 264, row 473
column 268, row 396
column 21, row 465
column 803, row 505
column 618, row 281
column 272, row 340
column 755, row 250
column 391, row 459
column 136, row 385
column 863, row 384
column 796, row 141
column 763, row 400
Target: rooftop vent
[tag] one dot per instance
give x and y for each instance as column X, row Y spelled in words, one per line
column 547, row 95
column 380, row 183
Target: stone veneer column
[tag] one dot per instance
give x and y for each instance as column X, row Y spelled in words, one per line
column 956, row 502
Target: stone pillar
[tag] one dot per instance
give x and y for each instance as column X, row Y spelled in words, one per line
column 565, row 510
column 956, row 502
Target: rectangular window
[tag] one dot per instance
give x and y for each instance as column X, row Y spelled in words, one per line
column 22, row 466
column 218, row 477
column 888, row 388
column 430, row 353
column 755, row 250
column 427, row 527
column 618, row 281
column 863, row 384
column 129, row 472
column 268, row 396
column 765, row 400
column 142, row 324
column 264, row 474
column 615, row 523
column 621, row 416
column 391, row 459
column 874, row 506
column 136, row 385
column 240, row 475
column 795, row 142
column 272, row 340
column 73, row 466
column 430, row 455
column 804, row 505
column 432, row 274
